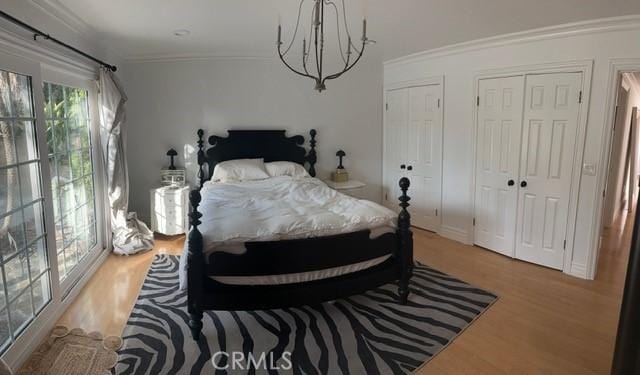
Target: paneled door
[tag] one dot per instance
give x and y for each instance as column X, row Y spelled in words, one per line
column 395, row 138
column 424, row 155
column 497, row 162
column 548, row 145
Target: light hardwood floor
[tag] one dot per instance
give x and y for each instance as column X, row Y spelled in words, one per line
column 544, row 322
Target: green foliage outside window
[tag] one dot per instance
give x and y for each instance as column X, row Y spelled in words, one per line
column 69, row 142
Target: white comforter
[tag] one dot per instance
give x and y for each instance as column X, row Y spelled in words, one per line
column 280, row 208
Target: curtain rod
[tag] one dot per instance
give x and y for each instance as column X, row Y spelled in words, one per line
column 38, row 33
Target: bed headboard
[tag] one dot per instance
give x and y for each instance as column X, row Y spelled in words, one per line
column 271, row 145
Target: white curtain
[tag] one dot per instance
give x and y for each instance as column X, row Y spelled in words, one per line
column 130, row 235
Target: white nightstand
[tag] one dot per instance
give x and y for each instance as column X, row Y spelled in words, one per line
column 352, row 188
column 170, row 210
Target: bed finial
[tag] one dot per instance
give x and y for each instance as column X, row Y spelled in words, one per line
column 405, row 238
column 311, row 156
column 195, row 267
column 201, row 157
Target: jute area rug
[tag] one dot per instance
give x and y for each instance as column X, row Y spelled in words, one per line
column 73, row 352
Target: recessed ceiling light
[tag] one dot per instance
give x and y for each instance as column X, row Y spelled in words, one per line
column 181, row 32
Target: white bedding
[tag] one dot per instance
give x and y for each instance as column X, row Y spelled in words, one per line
column 280, row 208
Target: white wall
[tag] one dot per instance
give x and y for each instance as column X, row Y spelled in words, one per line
column 459, row 65
column 169, row 101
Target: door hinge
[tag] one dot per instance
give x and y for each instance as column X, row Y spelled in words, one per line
column 436, row 212
column 604, row 193
column 564, row 245
column 474, row 221
column 438, row 103
column 386, row 196
column 580, row 97
column 478, row 100
column 386, row 106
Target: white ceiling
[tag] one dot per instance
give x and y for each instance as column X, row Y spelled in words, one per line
column 141, row 29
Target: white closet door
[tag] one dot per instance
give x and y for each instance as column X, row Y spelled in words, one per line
column 547, row 155
column 424, row 156
column 395, row 151
column 497, row 161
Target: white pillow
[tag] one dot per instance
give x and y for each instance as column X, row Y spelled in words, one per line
column 286, row 168
column 239, row 170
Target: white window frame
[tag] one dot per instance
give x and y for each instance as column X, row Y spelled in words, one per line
column 20, row 56
column 60, row 78
column 20, row 66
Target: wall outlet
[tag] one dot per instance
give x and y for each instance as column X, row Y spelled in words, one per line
column 589, row 169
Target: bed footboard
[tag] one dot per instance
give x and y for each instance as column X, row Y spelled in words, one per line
column 400, row 269
column 405, row 243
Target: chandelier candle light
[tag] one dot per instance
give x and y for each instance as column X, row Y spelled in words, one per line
column 317, row 34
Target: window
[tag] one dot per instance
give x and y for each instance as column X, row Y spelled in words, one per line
column 51, row 189
column 23, row 254
column 71, row 166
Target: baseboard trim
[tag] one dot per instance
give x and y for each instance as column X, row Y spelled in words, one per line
column 578, row 270
column 454, row 233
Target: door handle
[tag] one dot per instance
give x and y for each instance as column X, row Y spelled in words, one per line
column 523, row 184
column 409, row 168
column 511, row 183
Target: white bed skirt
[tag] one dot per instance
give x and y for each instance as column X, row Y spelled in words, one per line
column 300, row 277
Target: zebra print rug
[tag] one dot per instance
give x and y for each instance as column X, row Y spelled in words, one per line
column 369, row 333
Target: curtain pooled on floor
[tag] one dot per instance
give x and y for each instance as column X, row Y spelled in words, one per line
column 130, row 235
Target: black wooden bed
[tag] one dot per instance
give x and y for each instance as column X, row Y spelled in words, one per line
column 287, row 256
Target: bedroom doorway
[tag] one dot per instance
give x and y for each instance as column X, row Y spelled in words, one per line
column 623, row 176
column 622, row 181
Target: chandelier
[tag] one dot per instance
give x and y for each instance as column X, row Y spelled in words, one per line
column 316, row 43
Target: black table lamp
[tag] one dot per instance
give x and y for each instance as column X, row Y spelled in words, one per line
column 340, row 154
column 172, row 154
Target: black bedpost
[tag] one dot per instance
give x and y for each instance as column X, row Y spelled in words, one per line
column 311, row 156
column 195, row 268
column 405, row 242
column 201, row 158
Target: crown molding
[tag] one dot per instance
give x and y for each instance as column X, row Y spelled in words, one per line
column 168, row 57
column 84, row 31
column 64, row 15
column 601, row 25
column 631, row 22
column 18, row 45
